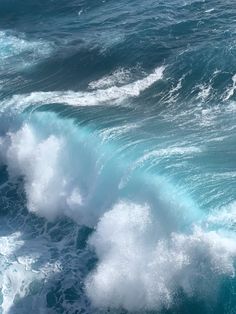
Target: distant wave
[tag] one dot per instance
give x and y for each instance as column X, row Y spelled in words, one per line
column 93, row 98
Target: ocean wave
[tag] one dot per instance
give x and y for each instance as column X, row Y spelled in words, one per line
column 66, row 167
column 93, row 98
column 117, row 157
column 151, row 240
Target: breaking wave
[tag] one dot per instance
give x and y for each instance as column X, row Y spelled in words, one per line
column 93, row 98
column 117, row 157
column 152, row 242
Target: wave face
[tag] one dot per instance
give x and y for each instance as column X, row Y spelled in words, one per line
column 117, row 157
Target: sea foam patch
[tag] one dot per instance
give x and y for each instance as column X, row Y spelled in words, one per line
column 120, row 76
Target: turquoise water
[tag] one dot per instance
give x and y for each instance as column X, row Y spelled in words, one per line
column 117, row 157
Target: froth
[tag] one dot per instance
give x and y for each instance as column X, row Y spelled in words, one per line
column 145, row 251
column 230, row 91
column 137, row 269
column 111, row 94
column 37, row 160
column 17, row 50
column 120, row 76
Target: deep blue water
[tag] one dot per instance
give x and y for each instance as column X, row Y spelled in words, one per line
column 117, row 156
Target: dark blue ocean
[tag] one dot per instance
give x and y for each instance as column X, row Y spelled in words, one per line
column 118, row 156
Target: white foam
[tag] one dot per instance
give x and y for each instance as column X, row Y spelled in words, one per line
column 112, row 94
column 138, row 269
column 204, row 92
column 230, row 91
column 8, row 244
column 143, row 258
column 174, row 92
column 15, row 285
column 38, row 161
column 55, row 180
column 18, row 271
column 210, row 10
column 63, row 166
column 120, row 76
column 14, row 278
column 17, row 52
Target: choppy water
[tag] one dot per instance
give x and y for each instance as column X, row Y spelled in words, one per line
column 117, row 156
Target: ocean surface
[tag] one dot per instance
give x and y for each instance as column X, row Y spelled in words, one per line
column 117, row 156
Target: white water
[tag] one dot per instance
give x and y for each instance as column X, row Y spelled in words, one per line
column 138, row 269
column 112, row 94
column 147, row 248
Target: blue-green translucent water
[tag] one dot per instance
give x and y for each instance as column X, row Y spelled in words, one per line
column 117, row 156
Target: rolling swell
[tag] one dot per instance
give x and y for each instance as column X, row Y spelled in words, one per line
column 117, row 156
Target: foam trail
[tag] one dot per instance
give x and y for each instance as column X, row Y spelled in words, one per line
column 230, row 91
column 92, row 98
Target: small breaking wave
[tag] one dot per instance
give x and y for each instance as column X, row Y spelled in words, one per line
column 93, row 98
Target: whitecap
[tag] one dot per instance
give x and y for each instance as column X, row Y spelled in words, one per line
column 112, row 94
